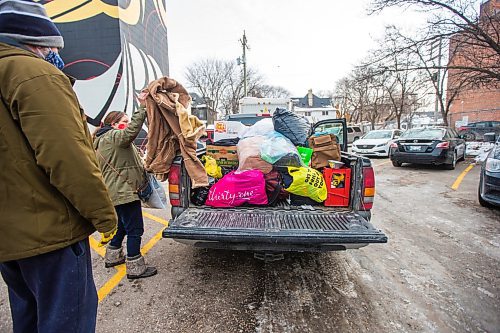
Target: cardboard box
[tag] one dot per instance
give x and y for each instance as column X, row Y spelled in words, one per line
column 227, row 129
column 226, row 156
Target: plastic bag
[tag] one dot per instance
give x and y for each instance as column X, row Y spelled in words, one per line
column 293, row 126
column 279, row 150
column 211, row 167
column 249, row 154
column 260, row 128
column 307, row 182
column 238, row 188
column 305, row 155
column 154, row 195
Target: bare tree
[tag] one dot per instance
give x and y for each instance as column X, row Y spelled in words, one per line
column 473, row 37
column 268, row 91
column 211, row 78
column 222, row 82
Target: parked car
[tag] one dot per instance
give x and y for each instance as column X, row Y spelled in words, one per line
column 428, row 145
column 489, row 180
column 476, row 131
column 353, row 133
column 376, row 142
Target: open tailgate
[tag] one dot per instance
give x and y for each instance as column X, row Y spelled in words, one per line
column 275, row 229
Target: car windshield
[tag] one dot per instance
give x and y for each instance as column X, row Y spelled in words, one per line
column 331, row 128
column 424, row 133
column 378, row 135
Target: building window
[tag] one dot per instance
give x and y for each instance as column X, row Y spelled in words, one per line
column 307, row 113
column 324, row 113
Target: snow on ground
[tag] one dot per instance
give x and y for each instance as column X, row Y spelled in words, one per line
column 479, row 150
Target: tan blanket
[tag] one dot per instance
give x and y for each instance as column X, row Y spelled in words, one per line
column 172, row 128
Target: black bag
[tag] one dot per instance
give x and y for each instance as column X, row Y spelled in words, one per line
column 274, row 188
column 298, row 200
column 293, row 126
column 199, row 195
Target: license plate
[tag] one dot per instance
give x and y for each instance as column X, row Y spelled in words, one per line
column 413, row 148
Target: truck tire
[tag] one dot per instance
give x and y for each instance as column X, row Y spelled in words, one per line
column 453, row 163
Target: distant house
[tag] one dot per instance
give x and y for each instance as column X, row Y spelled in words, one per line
column 201, row 109
column 314, row 108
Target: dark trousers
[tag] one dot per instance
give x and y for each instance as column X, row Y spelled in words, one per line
column 52, row 292
column 130, row 224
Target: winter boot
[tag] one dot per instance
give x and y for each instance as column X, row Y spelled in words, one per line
column 114, row 256
column 136, row 268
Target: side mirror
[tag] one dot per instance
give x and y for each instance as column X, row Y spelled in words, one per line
column 396, row 136
column 489, row 137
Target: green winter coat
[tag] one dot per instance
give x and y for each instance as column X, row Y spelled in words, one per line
column 51, row 189
column 120, row 162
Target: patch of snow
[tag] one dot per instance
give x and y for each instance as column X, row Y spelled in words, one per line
column 478, row 149
column 486, row 292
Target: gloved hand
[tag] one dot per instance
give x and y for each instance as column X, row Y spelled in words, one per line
column 107, row 237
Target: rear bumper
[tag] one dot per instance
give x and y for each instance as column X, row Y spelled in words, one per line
column 380, row 151
column 490, row 190
column 273, row 230
column 436, row 157
column 269, row 248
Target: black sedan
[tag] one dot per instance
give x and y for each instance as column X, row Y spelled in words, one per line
column 489, row 181
column 428, row 145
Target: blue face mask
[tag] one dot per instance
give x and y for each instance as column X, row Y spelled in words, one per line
column 55, row 59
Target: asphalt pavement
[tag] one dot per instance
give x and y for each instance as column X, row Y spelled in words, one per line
column 439, row 272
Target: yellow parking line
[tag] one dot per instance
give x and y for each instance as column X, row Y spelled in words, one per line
column 155, row 218
column 149, row 245
column 389, row 161
column 94, row 245
column 121, row 270
column 460, row 178
column 112, row 283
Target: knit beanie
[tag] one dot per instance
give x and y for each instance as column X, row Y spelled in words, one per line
column 27, row 23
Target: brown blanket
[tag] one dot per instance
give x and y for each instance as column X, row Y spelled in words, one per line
column 172, row 128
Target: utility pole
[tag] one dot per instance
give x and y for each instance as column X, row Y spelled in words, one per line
column 243, row 60
column 437, row 77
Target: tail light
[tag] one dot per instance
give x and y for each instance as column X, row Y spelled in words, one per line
column 443, row 145
column 394, row 145
column 174, row 177
column 368, row 188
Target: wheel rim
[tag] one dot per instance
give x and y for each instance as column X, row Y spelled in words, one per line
column 454, row 159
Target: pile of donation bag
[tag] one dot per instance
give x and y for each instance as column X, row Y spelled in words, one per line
column 275, row 160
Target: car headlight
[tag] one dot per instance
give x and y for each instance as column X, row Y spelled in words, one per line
column 382, row 144
column 492, row 165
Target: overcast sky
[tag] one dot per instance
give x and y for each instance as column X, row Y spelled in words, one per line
column 296, row 44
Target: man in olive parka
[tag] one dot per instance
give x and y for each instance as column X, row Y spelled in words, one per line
column 52, row 196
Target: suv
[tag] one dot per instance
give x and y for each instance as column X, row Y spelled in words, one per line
column 476, row 131
column 353, row 133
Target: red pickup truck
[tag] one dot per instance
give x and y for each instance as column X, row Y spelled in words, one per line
column 283, row 228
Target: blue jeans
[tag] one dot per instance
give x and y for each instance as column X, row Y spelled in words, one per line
column 52, row 292
column 130, row 224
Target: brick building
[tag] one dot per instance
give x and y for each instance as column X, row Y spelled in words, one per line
column 482, row 101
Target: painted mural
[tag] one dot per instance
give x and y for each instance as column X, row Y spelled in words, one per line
column 114, row 48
